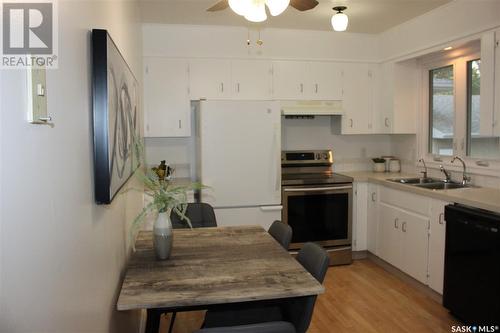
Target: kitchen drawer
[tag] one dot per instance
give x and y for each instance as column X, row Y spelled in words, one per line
column 408, row 201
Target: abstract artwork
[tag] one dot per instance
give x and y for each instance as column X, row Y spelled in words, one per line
column 115, row 117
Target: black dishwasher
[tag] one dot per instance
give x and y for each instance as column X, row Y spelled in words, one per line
column 472, row 265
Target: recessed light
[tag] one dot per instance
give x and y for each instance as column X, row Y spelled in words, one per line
column 448, row 48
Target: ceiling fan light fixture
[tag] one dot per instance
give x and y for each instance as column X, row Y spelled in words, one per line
column 240, row 7
column 340, row 20
column 256, row 12
column 276, row 7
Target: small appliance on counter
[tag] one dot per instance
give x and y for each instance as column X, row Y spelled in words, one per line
column 378, row 164
column 387, row 160
column 394, row 165
column 317, row 203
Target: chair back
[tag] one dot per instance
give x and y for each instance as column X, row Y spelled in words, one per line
column 282, row 233
column 299, row 311
column 269, row 327
column 201, row 215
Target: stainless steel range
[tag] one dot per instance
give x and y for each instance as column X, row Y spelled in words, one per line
column 317, row 203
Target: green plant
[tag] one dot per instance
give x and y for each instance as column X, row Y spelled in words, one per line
column 165, row 197
column 378, row 160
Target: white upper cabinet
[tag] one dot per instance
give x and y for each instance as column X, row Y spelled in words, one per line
column 357, row 99
column 209, row 79
column 166, row 102
column 289, row 78
column 252, row 79
column 496, row 117
column 325, row 81
column 296, row 80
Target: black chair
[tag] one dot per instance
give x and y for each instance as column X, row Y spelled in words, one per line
column 201, row 215
column 282, row 233
column 270, row 327
column 297, row 311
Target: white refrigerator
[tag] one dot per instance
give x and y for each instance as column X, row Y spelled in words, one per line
column 239, row 158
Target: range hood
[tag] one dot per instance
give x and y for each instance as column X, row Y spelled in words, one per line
column 311, row 108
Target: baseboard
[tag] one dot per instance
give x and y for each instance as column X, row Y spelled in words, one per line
column 405, row 277
column 356, row 255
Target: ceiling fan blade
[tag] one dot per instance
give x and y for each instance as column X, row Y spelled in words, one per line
column 303, row 5
column 221, row 5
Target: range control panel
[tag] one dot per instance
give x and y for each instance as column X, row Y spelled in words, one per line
column 295, row 157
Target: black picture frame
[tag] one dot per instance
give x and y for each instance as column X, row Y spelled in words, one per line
column 115, row 117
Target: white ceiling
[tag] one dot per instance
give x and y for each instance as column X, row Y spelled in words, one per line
column 365, row 16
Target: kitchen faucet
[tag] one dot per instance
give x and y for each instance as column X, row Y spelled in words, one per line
column 425, row 167
column 446, row 173
column 465, row 178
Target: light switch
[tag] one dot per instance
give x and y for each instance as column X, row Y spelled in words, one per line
column 37, row 96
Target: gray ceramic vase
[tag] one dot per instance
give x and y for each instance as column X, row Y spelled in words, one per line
column 163, row 236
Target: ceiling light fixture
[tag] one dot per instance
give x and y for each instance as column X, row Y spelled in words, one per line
column 255, row 10
column 339, row 19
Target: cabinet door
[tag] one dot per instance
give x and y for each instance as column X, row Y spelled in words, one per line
column 289, row 78
column 166, row 100
column 360, row 215
column 209, row 79
column 382, row 93
column 496, row 116
column 372, row 219
column 436, row 246
column 324, row 81
column 415, row 244
column 389, row 235
column 251, row 79
column 357, row 99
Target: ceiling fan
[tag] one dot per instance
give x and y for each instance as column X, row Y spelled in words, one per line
column 255, row 10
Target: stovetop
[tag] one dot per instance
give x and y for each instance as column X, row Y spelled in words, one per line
column 318, row 178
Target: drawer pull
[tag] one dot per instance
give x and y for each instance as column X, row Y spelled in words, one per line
column 396, row 223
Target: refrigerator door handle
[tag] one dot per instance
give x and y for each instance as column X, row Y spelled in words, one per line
column 271, row 208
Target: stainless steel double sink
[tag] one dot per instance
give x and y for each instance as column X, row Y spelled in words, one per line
column 429, row 183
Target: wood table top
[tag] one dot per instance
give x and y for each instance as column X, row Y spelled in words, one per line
column 210, row 266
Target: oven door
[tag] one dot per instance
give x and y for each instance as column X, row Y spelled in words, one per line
column 319, row 213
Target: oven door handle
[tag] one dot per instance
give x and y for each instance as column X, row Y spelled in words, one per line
column 315, row 189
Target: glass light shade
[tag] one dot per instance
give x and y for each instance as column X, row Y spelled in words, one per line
column 256, row 12
column 340, row 22
column 240, row 7
column 277, row 7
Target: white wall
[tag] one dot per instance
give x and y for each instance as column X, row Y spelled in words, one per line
column 457, row 20
column 230, row 42
column 62, row 256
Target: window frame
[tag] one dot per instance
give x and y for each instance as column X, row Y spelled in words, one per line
column 460, row 90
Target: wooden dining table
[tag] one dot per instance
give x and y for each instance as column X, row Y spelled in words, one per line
column 210, row 267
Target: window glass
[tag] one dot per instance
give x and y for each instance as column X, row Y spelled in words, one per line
column 442, row 111
column 482, row 141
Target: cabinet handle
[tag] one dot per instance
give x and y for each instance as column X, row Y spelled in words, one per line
column 301, row 87
column 180, row 124
column 222, row 86
column 238, row 87
column 441, row 218
column 373, row 196
column 403, row 227
column 351, row 123
column 386, row 121
column 396, row 224
column 316, row 88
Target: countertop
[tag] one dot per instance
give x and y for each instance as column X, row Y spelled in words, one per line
column 479, row 197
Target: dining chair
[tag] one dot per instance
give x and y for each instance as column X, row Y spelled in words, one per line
column 269, row 327
column 201, row 215
column 297, row 311
column 282, row 232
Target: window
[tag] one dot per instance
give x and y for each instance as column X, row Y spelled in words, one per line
column 442, row 110
column 482, row 141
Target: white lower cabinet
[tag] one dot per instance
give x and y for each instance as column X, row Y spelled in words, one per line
column 359, row 217
column 403, row 240
column 437, row 240
column 372, row 219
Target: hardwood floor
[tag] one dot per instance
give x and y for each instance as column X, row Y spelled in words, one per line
column 361, row 297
